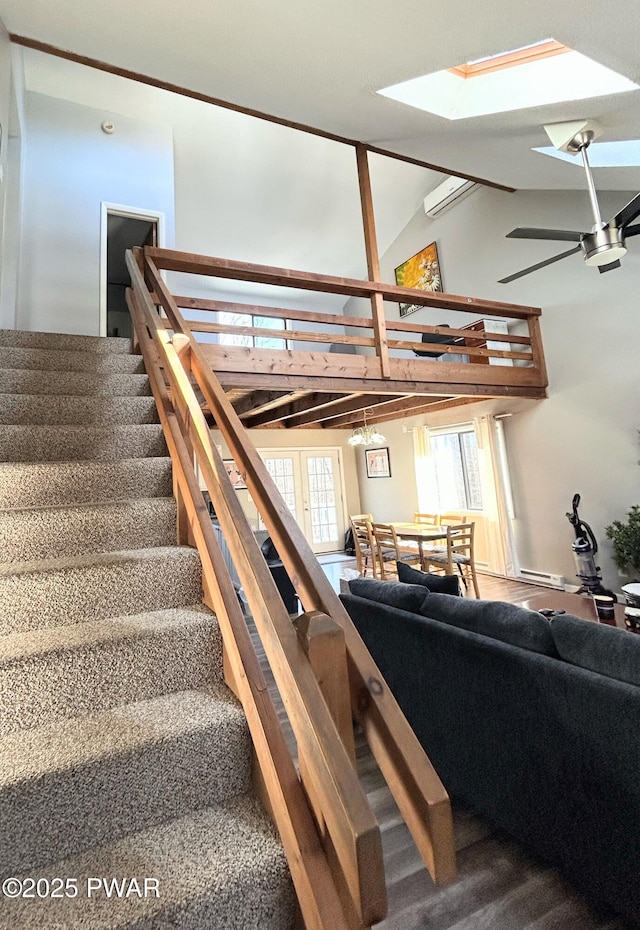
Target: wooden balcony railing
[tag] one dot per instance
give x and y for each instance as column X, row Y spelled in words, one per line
column 328, row 830
column 509, row 363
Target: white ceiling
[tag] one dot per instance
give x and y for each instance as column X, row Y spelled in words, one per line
column 256, row 191
column 321, row 63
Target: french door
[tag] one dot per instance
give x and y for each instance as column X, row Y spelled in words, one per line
column 311, row 483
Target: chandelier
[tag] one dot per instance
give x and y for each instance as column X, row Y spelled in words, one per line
column 366, row 435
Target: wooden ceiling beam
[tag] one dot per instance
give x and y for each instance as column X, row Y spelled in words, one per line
column 182, row 91
column 394, row 408
column 354, row 403
column 418, row 408
column 415, row 403
column 257, row 401
column 313, row 401
column 257, row 379
column 451, row 402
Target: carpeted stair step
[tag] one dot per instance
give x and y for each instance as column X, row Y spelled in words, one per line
column 39, row 484
column 220, row 868
column 40, row 410
column 70, row 343
column 50, row 532
column 62, row 360
column 65, row 443
column 70, row 785
column 57, row 592
column 93, row 666
column 36, row 381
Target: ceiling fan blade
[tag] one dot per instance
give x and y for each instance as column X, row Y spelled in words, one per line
column 627, row 214
column 632, row 231
column 548, row 261
column 609, row 267
column 562, row 235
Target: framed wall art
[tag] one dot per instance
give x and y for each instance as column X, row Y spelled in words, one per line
column 421, row 271
column 237, row 480
column 378, row 465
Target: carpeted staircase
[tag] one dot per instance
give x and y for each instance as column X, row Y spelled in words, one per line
column 122, row 753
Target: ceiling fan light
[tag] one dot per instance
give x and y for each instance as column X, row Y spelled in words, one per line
column 603, row 246
column 605, row 255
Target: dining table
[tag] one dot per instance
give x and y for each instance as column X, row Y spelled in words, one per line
column 420, row 533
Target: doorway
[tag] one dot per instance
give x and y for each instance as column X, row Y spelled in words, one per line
column 122, row 228
column 311, row 482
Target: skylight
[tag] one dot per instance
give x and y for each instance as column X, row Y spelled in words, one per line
column 624, row 154
column 542, row 73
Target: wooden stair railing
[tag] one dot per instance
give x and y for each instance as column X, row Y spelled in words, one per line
column 351, row 838
column 326, row 901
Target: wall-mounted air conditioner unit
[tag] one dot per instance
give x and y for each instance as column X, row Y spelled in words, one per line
column 446, row 194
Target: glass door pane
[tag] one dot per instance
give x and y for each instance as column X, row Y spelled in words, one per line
column 323, row 500
column 310, row 482
column 282, row 469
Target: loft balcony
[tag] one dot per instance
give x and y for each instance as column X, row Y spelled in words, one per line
column 319, row 369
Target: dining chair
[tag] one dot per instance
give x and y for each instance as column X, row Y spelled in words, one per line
column 366, row 559
column 389, row 551
column 430, row 519
column 457, row 553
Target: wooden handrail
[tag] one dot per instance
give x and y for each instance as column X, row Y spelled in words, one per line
column 339, row 339
column 331, row 319
column 415, row 785
column 353, row 831
column 310, row 870
column 190, row 263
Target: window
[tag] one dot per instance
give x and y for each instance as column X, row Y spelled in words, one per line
column 545, row 72
column 243, row 339
column 457, row 470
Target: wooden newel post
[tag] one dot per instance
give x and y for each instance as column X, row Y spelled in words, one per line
column 323, row 642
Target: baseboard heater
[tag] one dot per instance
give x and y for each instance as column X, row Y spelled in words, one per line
column 554, row 581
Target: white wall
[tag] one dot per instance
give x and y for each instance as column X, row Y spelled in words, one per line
column 70, row 166
column 584, row 437
column 9, row 185
column 5, row 108
column 12, row 231
column 394, row 498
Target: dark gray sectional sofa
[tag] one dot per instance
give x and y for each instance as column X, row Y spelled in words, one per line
column 534, row 724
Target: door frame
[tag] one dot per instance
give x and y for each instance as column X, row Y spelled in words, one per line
column 133, row 213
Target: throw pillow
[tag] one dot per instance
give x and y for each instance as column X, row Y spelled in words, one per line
column 495, row 619
column 392, row 593
column 440, row 584
column 598, row 648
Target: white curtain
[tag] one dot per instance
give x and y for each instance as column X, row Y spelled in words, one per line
column 496, row 496
column 425, row 471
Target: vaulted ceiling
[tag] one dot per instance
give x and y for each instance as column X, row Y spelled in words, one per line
column 321, row 63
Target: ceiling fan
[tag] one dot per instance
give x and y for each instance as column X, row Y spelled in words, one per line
column 604, row 246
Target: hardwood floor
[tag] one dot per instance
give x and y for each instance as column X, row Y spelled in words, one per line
column 500, row 886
